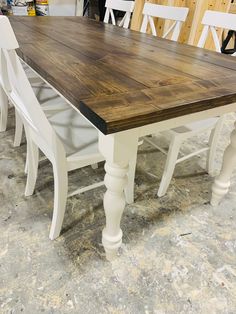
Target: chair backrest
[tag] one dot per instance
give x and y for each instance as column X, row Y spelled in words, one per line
column 176, row 14
column 120, row 5
column 213, row 20
column 19, row 91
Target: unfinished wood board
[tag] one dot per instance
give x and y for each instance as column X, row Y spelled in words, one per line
column 186, row 27
column 233, row 8
column 231, row 43
column 137, row 15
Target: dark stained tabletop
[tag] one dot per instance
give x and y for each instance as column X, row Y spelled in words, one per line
column 121, row 79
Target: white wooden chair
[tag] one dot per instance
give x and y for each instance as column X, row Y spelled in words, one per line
column 66, row 153
column 178, row 135
column 5, row 103
column 213, row 20
column 120, row 5
column 176, row 14
column 3, row 107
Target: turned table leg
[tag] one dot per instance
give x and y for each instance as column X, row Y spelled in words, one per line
column 114, row 204
column 222, row 182
column 118, row 149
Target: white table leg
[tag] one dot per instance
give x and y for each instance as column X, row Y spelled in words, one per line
column 222, row 182
column 114, row 204
column 118, row 149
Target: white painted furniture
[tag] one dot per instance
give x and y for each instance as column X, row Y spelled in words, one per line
column 33, row 79
column 4, row 105
column 118, row 142
column 119, row 149
column 120, row 5
column 37, row 83
column 176, row 14
column 213, row 20
column 69, row 142
column 178, row 135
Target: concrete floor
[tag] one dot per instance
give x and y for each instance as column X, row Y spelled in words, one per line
column 178, row 254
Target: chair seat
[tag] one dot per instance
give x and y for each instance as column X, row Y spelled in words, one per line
column 193, row 127
column 47, row 97
column 50, row 101
column 76, row 133
column 78, row 136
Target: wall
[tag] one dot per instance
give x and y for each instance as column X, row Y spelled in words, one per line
column 62, row 7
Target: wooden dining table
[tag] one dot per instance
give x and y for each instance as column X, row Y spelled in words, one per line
column 128, row 85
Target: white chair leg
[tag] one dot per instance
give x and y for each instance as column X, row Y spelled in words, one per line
column 129, row 189
column 3, row 110
column 60, row 196
column 26, row 161
column 172, row 156
column 32, row 166
column 18, row 130
column 213, row 141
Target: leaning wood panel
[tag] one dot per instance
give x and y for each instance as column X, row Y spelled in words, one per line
column 137, row 15
column 160, row 23
column 233, row 8
column 186, row 27
column 231, row 43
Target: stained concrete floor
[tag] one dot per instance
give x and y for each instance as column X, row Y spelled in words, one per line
column 178, row 254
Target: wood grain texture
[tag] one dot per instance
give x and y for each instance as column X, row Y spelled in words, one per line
column 121, row 79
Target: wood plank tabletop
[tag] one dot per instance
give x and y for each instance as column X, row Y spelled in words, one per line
column 121, row 79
